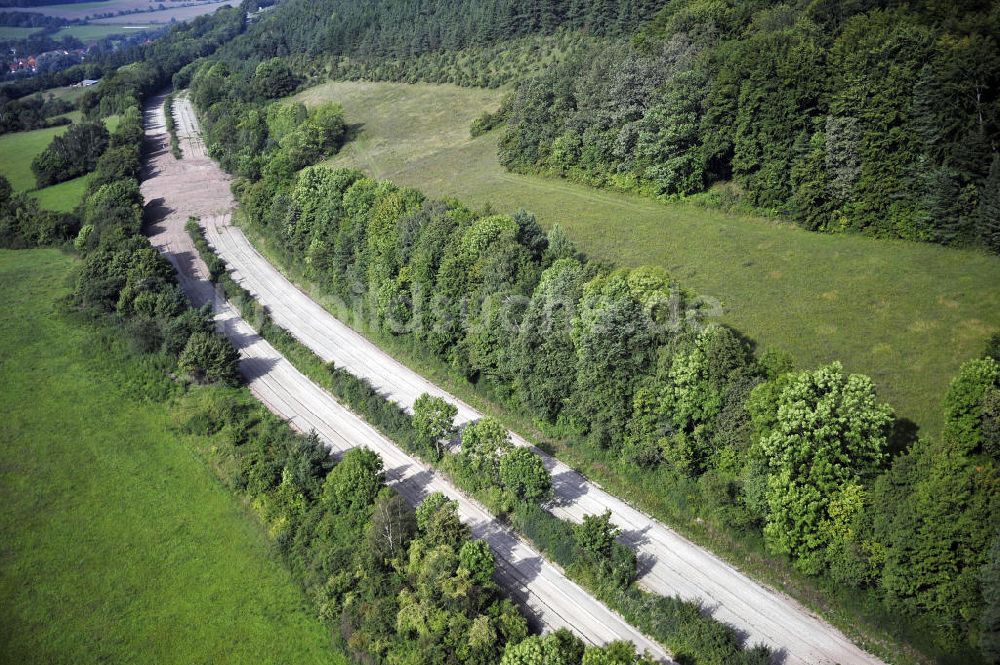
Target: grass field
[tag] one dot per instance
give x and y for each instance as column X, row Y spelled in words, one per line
column 62, row 197
column 11, row 33
column 73, row 10
column 117, row 543
column 92, row 33
column 69, row 93
column 19, row 148
column 72, row 116
column 84, row 10
column 168, row 15
column 908, row 314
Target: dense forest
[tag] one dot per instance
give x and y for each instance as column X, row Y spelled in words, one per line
column 877, row 117
column 410, row 27
column 618, row 361
column 872, row 117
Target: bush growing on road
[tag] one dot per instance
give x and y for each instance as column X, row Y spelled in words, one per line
column 216, row 266
column 590, row 555
column 564, row 648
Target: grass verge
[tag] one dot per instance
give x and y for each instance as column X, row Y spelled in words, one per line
column 118, row 543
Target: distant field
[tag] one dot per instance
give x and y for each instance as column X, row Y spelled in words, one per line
column 12, row 33
column 69, row 93
column 165, row 16
column 75, row 10
column 117, row 543
column 907, row 314
column 72, row 116
column 92, row 33
column 85, row 10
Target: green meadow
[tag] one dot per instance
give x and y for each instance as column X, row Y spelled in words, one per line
column 117, row 543
column 11, row 33
column 907, row 314
column 62, row 197
column 18, row 149
column 68, row 92
column 95, row 32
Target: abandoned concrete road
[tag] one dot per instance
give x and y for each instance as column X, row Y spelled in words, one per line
column 195, row 186
column 672, row 564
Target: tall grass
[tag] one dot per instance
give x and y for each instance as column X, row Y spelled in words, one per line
column 119, row 544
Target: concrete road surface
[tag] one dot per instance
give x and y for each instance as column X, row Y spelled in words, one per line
column 673, row 565
column 176, row 189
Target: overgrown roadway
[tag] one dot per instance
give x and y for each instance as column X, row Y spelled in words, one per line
column 672, row 565
column 195, row 186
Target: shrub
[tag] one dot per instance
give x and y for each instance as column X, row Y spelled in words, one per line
column 524, row 475
column 210, row 358
column 71, row 154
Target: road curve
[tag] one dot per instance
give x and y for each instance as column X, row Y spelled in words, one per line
column 673, row 565
column 176, row 189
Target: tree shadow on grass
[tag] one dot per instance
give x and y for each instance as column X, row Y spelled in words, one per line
column 904, row 434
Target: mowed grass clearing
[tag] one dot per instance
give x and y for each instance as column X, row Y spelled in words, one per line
column 11, row 33
column 67, row 92
column 93, row 33
column 907, row 314
column 117, row 543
